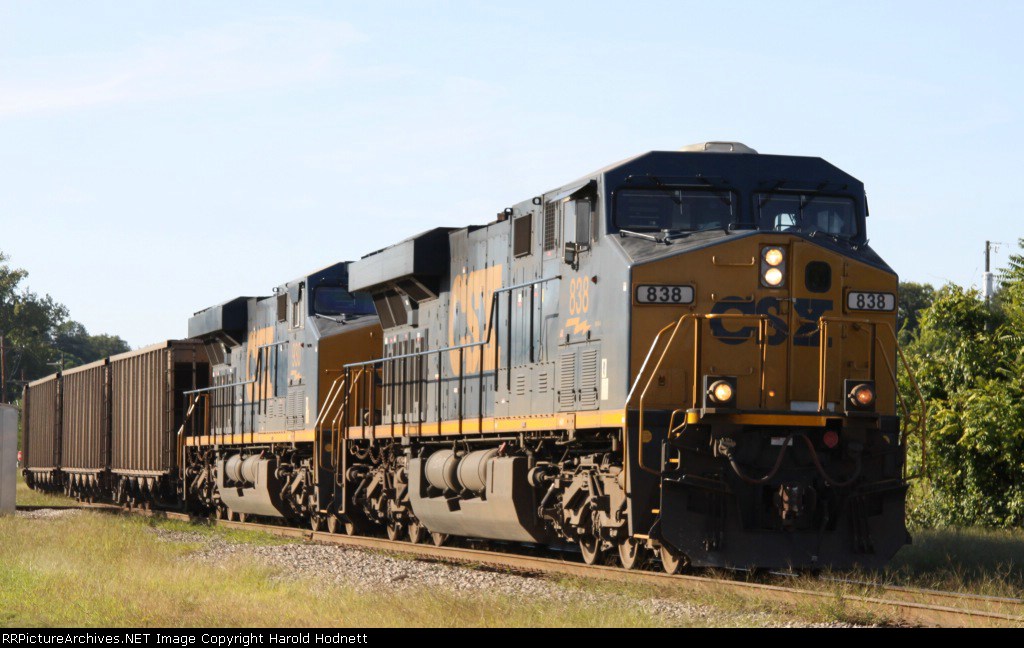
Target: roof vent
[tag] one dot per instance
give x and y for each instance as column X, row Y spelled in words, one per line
column 718, row 147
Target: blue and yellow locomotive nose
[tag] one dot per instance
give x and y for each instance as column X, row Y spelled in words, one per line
column 788, row 319
column 776, row 392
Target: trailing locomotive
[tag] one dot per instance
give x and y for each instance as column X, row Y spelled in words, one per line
column 688, row 353
column 260, row 448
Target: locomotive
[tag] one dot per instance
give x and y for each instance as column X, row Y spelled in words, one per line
column 689, row 354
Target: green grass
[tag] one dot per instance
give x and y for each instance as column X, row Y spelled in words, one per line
column 96, row 569
column 237, row 536
column 976, row 561
column 981, row 561
column 93, row 569
column 25, row 496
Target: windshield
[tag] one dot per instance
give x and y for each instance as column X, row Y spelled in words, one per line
column 807, row 213
column 674, row 209
column 335, row 300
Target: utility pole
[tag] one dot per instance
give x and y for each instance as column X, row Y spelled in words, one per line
column 988, row 279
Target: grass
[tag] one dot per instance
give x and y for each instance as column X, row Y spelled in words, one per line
column 986, row 562
column 981, row 561
column 25, row 496
column 93, row 569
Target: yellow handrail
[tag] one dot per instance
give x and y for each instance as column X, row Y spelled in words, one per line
column 922, row 422
column 762, row 336
column 763, row 323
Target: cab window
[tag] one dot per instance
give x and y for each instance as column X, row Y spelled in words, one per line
column 335, row 300
column 674, row 210
column 809, row 214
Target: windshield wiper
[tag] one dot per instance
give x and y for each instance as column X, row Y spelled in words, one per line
column 343, row 319
column 673, row 235
column 640, row 235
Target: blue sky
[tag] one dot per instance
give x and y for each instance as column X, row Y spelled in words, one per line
column 158, row 157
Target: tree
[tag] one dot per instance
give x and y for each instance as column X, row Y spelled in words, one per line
column 79, row 347
column 36, row 331
column 969, row 361
column 915, row 298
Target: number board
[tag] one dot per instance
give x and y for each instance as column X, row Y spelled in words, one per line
column 650, row 294
column 871, row 301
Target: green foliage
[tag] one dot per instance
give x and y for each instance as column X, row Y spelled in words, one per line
column 914, row 299
column 969, row 362
column 37, row 332
column 79, row 347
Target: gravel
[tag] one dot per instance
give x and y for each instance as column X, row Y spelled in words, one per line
column 47, row 514
column 370, row 571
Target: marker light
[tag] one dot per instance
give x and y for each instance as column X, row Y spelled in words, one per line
column 831, row 439
column 773, row 277
column 773, row 256
column 860, row 394
column 863, row 395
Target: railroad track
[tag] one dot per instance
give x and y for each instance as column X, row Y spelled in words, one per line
column 888, row 604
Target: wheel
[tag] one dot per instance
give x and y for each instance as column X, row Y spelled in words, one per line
column 590, row 547
column 316, row 522
column 340, row 524
column 631, row 553
column 671, row 562
column 242, row 517
column 394, row 530
column 417, row 533
column 438, row 538
column 221, row 513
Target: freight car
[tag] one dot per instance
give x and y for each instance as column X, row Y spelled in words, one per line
column 41, row 425
column 109, row 429
column 147, row 409
column 85, row 434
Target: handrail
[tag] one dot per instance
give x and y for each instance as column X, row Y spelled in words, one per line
column 763, row 322
column 329, row 400
column 922, row 422
column 388, row 363
column 181, row 434
column 762, row 337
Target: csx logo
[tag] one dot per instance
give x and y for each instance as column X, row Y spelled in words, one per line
column 734, row 332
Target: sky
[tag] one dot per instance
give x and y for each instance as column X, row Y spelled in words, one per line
column 160, row 157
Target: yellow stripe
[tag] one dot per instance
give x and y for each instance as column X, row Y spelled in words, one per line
column 293, row 436
column 583, row 420
column 815, row 419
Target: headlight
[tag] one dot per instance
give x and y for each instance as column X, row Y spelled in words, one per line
column 719, row 391
column 773, row 267
column 773, row 277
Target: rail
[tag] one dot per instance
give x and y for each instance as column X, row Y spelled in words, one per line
column 886, row 604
